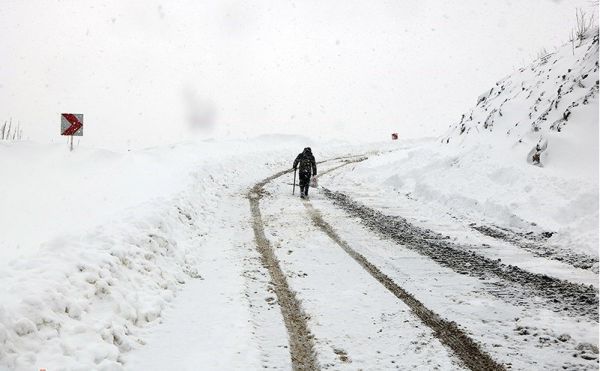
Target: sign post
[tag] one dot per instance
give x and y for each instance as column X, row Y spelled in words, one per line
column 71, row 124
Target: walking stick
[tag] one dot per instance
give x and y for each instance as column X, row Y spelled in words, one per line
column 294, row 187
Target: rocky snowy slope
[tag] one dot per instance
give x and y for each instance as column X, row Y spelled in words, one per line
column 540, row 109
column 547, row 115
column 521, row 165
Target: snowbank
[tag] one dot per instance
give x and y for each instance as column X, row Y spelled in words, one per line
column 48, row 192
column 95, row 244
column 488, row 187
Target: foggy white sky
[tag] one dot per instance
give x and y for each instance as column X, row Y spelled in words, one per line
column 137, row 70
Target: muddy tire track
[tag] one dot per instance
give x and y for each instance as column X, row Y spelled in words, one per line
column 537, row 245
column 302, row 349
column 449, row 334
column 346, row 162
column 508, row 282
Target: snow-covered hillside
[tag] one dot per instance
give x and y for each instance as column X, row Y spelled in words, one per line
column 483, row 171
column 547, row 111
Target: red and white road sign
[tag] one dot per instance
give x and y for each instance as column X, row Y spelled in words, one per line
column 71, row 124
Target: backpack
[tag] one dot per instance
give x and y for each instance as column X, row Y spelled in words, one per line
column 305, row 164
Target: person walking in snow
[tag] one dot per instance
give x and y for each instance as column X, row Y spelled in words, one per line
column 305, row 163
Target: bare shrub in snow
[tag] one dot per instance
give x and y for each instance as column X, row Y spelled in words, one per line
column 543, row 54
column 585, row 24
column 10, row 131
column 572, row 39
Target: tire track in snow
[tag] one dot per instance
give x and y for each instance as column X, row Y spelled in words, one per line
column 449, row 334
column 537, row 245
column 347, row 161
column 302, row 349
column 512, row 284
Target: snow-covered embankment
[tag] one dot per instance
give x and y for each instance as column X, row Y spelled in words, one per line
column 96, row 244
column 485, row 171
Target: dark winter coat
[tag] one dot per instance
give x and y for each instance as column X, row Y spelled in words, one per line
column 305, row 162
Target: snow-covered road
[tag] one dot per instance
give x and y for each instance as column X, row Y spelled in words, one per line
column 227, row 273
column 334, row 292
